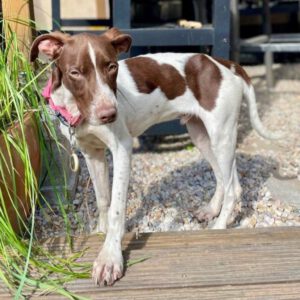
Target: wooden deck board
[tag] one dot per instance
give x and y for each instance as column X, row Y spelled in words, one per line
column 224, row 264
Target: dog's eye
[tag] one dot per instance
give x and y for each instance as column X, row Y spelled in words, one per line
column 74, row 73
column 112, row 67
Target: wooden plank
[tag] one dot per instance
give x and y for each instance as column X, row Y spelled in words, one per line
column 232, row 264
column 282, row 291
column 182, row 238
column 250, row 292
column 206, row 258
column 19, row 9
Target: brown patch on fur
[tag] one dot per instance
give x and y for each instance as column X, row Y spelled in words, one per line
column 56, row 78
column 238, row 70
column 121, row 42
column 59, row 37
column 149, row 75
column 75, row 55
column 72, row 57
column 203, row 77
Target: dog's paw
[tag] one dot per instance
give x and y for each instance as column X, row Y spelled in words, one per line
column 206, row 214
column 107, row 268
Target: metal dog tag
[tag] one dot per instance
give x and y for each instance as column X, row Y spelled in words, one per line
column 74, row 162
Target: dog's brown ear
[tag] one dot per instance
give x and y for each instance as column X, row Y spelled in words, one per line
column 48, row 44
column 119, row 40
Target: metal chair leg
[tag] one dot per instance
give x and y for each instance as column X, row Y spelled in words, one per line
column 268, row 58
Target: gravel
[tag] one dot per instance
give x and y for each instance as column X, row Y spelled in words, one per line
column 170, row 181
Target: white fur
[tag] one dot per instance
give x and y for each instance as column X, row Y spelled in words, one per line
column 145, row 110
column 63, row 97
column 216, row 138
column 102, row 93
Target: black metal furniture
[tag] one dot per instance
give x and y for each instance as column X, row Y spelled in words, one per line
column 216, row 35
column 269, row 43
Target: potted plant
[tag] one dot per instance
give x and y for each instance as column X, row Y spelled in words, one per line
column 24, row 263
column 26, row 267
column 19, row 135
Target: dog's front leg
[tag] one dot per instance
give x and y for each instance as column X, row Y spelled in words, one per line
column 108, row 267
column 98, row 169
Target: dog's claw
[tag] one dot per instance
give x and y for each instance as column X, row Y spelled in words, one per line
column 206, row 214
column 107, row 270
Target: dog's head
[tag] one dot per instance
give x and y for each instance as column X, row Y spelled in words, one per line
column 85, row 70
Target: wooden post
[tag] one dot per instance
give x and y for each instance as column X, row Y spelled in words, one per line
column 14, row 10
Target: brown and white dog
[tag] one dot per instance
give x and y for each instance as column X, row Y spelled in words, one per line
column 119, row 100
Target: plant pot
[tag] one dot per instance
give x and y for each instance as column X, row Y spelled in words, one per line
column 14, row 171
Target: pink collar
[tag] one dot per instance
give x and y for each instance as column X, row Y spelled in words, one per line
column 62, row 113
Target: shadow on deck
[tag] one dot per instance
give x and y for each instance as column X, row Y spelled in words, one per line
column 223, row 264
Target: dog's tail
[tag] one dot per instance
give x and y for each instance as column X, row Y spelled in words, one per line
column 254, row 117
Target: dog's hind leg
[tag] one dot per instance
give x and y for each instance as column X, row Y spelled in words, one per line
column 223, row 146
column 98, row 169
column 200, row 138
column 237, row 186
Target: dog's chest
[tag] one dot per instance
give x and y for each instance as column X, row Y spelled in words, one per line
column 89, row 141
column 84, row 137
